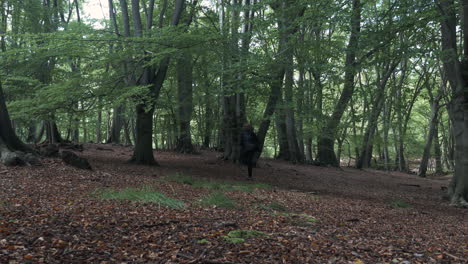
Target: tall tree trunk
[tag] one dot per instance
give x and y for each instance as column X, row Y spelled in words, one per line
column 437, row 150
column 85, row 131
column 53, row 135
column 456, row 72
column 287, row 11
column 367, row 145
column 234, row 106
column 99, row 123
column 128, row 133
column 326, row 153
column 446, row 142
column 31, row 138
column 40, row 135
column 117, row 124
column 185, row 102
column 387, row 116
column 10, row 144
column 430, row 136
column 143, row 152
column 295, row 154
column 399, row 147
column 282, row 135
column 300, row 111
column 208, row 121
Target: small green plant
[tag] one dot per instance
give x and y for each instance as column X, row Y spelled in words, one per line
column 400, row 204
column 141, row 195
column 308, row 218
column 299, row 219
column 203, row 241
column 181, row 178
column 218, row 199
column 273, row 207
column 234, row 240
column 247, row 187
column 239, row 236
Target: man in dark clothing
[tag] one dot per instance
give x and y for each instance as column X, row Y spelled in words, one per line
column 249, row 145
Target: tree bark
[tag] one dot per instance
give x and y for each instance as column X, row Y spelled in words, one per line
column 457, row 76
column 99, row 123
column 278, row 67
column 326, row 153
column 366, row 154
column 295, row 154
column 10, row 145
column 185, row 102
column 117, row 124
column 430, row 136
column 53, row 135
column 437, row 150
column 143, row 152
column 281, row 134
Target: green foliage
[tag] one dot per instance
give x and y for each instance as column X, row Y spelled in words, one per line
column 307, row 217
column 70, row 70
column 400, row 204
column 239, row 236
column 218, row 199
column 203, row 241
column 234, row 240
column 141, row 195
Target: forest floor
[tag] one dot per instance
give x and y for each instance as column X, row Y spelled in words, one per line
column 200, row 209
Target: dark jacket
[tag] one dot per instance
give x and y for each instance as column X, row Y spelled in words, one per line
column 249, row 145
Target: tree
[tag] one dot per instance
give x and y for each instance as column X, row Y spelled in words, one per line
column 12, row 149
column 456, row 72
column 185, row 102
column 288, row 12
column 326, row 152
column 154, row 79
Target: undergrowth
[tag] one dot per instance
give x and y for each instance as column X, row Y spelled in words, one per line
column 140, row 195
column 239, row 236
column 274, row 206
column 218, row 199
column 216, row 185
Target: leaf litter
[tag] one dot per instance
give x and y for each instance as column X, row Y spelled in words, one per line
column 52, row 214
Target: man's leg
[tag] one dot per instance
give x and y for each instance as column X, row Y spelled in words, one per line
column 250, row 170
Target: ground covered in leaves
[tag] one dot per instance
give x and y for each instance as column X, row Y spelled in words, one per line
column 200, row 209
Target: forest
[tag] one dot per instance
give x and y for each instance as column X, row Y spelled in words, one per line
column 364, row 102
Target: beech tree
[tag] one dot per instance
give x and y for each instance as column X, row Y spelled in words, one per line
column 455, row 62
column 344, row 82
column 12, row 149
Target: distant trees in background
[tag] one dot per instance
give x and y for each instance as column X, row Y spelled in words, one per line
column 360, row 83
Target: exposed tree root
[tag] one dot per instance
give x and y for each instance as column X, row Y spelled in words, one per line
column 17, row 158
column 458, row 201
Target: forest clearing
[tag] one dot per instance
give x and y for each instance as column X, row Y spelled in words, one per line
column 294, row 213
column 234, row 131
